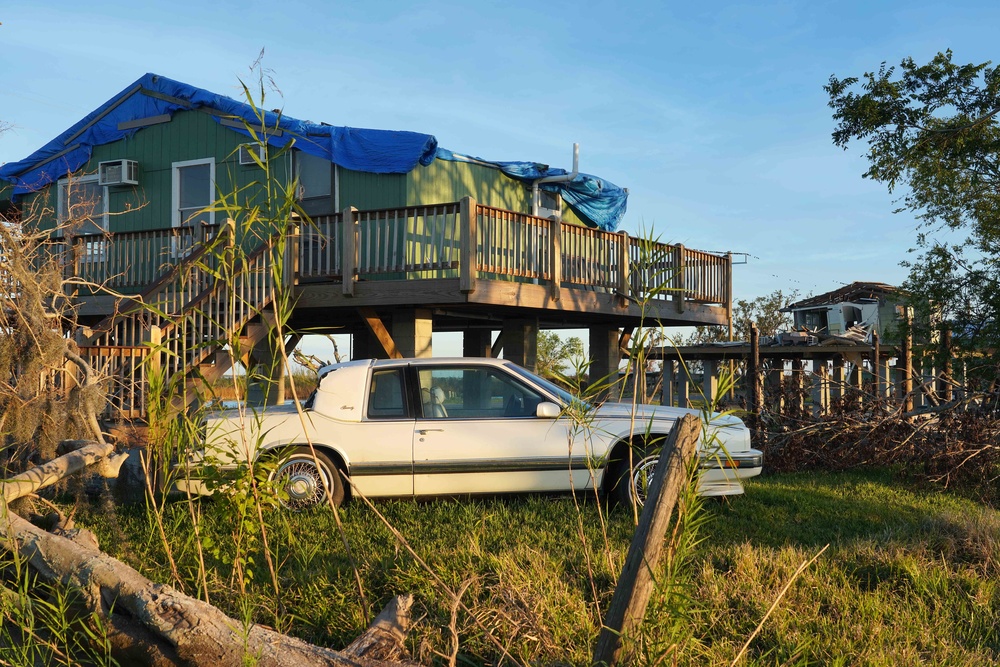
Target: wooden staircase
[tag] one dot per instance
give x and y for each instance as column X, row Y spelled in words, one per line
column 190, row 326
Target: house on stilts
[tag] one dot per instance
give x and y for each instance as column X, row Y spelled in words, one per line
column 390, row 238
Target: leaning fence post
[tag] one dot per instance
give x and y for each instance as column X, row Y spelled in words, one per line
column 635, row 586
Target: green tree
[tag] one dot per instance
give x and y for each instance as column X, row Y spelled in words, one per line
column 765, row 311
column 932, row 132
column 555, row 353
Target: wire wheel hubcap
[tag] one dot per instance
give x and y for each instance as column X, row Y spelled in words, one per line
column 642, row 477
column 303, row 482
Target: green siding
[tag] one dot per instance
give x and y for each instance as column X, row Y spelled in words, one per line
column 194, row 135
column 367, row 191
column 446, row 181
column 191, row 135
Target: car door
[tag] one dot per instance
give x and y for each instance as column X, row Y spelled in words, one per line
column 476, row 432
column 381, row 444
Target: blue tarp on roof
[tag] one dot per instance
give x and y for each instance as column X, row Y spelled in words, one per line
column 600, row 201
column 374, row 151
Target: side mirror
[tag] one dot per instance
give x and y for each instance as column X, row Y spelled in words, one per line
column 547, row 410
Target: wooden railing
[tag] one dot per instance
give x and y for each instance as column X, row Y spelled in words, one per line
column 123, row 369
column 125, row 260
column 462, row 239
column 163, row 300
column 436, row 241
column 512, row 245
column 407, row 240
column 189, row 314
column 516, row 245
column 321, row 247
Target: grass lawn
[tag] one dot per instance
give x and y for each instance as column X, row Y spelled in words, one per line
column 910, row 576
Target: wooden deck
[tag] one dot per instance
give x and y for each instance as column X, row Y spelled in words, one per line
column 462, row 258
column 164, row 300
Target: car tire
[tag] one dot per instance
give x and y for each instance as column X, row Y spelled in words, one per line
column 303, row 475
column 630, row 483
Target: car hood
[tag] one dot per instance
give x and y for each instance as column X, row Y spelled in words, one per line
column 644, row 413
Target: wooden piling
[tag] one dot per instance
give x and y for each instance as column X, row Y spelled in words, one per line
column 756, row 397
column 906, row 373
column 945, row 384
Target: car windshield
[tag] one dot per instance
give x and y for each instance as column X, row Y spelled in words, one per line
column 564, row 396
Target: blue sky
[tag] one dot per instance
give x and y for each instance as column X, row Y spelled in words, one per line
column 712, row 114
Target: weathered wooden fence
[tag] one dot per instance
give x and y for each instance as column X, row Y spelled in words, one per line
column 803, row 381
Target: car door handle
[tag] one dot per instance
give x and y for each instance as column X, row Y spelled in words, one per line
column 425, row 431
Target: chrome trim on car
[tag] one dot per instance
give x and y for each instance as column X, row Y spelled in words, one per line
column 539, row 464
column 471, row 466
column 384, row 468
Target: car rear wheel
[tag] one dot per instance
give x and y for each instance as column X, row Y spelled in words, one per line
column 303, row 479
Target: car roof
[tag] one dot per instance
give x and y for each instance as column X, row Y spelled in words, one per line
column 423, row 361
column 438, row 361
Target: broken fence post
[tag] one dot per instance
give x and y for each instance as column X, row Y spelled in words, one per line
column 635, row 585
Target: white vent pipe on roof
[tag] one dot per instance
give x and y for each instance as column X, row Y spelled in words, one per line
column 555, row 179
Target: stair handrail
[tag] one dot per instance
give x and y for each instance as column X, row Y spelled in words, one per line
column 147, row 297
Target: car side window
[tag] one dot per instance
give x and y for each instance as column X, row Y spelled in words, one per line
column 474, row 393
column 385, row 397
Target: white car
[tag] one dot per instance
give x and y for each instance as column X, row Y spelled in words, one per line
column 430, row 427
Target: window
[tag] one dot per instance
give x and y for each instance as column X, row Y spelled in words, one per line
column 549, row 200
column 385, row 397
column 549, row 204
column 194, row 190
column 83, row 210
column 83, row 205
column 474, row 393
column 814, row 320
column 315, row 175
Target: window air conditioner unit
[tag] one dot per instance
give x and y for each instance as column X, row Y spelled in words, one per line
column 247, row 151
column 118, row 172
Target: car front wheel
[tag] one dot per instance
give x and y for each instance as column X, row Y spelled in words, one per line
column 628, row 484
column 303, row 478
column 642, row 477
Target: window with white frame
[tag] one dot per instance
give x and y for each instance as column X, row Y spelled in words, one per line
column 193, row 193
column 82, row 209
column 83, row 205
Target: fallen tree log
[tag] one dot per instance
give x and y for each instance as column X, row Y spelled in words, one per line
column 88, row 453
column 153, row 624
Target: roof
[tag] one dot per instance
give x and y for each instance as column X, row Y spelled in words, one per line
column 153, row 98
column 856, row 291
